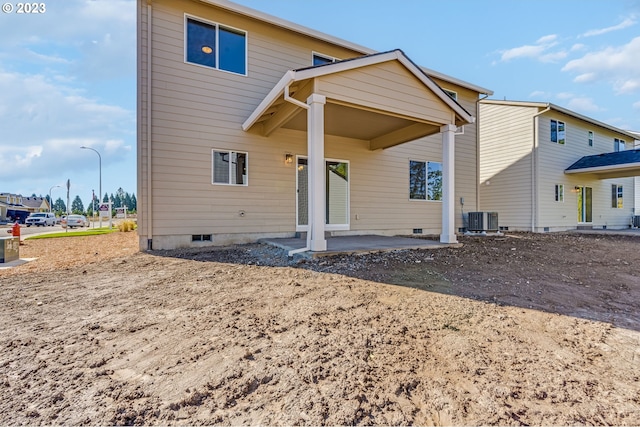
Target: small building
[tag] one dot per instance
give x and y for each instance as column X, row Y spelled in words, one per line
column 546, row 168
column 250, row 127
column 36, row 204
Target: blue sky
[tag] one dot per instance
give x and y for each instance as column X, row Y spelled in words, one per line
column 68, row 75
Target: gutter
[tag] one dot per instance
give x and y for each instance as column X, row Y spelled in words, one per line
column 300, row 104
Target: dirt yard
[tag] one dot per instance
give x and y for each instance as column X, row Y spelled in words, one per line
column 516, row 330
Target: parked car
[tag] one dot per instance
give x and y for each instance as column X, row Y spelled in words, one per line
column 75, row 221
column 41, row 219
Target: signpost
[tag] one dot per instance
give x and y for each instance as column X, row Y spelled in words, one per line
column 105, row 212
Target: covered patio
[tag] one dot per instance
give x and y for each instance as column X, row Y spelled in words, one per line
column 343, row 245
column 383, row 99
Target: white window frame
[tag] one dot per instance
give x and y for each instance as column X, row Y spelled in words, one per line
column 451, row 93
column 229, row 183
column 591, row 137
column 426, row 184
column 619, row 145
column 617, row 196
column 559, row 193
column 561, row 139
column 217, row 48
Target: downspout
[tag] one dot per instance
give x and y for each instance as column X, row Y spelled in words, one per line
column 149, row 151
column 300, row 104
column 477, row 154
column 534, row 162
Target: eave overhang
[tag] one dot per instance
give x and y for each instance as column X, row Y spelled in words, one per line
column 382, row 127
column 620, row 164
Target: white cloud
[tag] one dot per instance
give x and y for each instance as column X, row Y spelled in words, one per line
column 628, row 22
column 615, row 65
column 636, row 105
column 565, row 95
column 583, row 105
column 45, row 123
column 539, row 51
column 539, row 94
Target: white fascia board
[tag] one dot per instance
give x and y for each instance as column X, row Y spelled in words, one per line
column 562, row 110
column 347, row 65
column 435, row 88
column 608, row 168
column 271, row 97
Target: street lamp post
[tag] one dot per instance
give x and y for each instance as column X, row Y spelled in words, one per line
column 50, row 199
column 100, row 172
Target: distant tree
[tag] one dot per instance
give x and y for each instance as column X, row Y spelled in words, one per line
column 76, row 206
column 34, row 195
column 134, row 204
column 59, row 207
column 105, row 199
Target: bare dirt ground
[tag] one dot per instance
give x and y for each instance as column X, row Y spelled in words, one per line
column 516, row 330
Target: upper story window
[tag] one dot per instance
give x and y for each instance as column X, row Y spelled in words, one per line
column 590, row 139
column 216, row 46
column 558, row 132
column 618, row 145
column 452, row 94
column 319, row 59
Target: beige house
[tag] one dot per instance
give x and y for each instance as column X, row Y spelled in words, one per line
column 250, row 127
column 546, row 168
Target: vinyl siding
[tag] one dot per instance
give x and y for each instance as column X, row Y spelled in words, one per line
column 197, row 109
column 506, row 149
column 555, row 158
column 388, row 87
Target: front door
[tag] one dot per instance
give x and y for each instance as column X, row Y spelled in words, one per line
column 585, row 197
column 337, row 197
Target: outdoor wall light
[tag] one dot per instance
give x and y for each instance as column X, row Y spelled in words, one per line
column 207, row 49
column 288, row 158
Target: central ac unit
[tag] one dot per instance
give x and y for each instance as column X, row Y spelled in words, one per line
column 636, row 221
column 483, row 221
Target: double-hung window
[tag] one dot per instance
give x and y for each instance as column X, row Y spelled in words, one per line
column 229, row 167
column 618, row 145
column 216, row 46
column 590, row 138
column 616, row 196
column 558, row 132
column 425, row 180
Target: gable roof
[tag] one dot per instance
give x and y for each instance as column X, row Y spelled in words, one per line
column 300, row 29
column 292, row 76
column 617, row 164
column 553, row 107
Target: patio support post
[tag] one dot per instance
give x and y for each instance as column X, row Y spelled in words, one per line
column 448, row 185
column 317, row 185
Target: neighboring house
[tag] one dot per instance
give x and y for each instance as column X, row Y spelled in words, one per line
column 250, row 126
column 36, row 204
column 544, row 168
column 12, row 207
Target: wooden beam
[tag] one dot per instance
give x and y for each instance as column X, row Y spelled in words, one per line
column 400, row 136
column 286, row 111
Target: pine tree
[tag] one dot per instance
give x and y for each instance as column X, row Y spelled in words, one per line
column 77, row 207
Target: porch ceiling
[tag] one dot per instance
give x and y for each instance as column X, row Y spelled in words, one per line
column 349, row 122
column 359, row 106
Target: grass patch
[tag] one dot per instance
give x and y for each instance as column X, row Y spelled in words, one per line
column 91, row 232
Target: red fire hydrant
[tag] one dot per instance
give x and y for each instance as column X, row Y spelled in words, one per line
column 15, row 231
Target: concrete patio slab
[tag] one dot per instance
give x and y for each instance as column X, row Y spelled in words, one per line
column 359, row 244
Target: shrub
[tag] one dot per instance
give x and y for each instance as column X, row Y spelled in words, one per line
column 127, row 225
